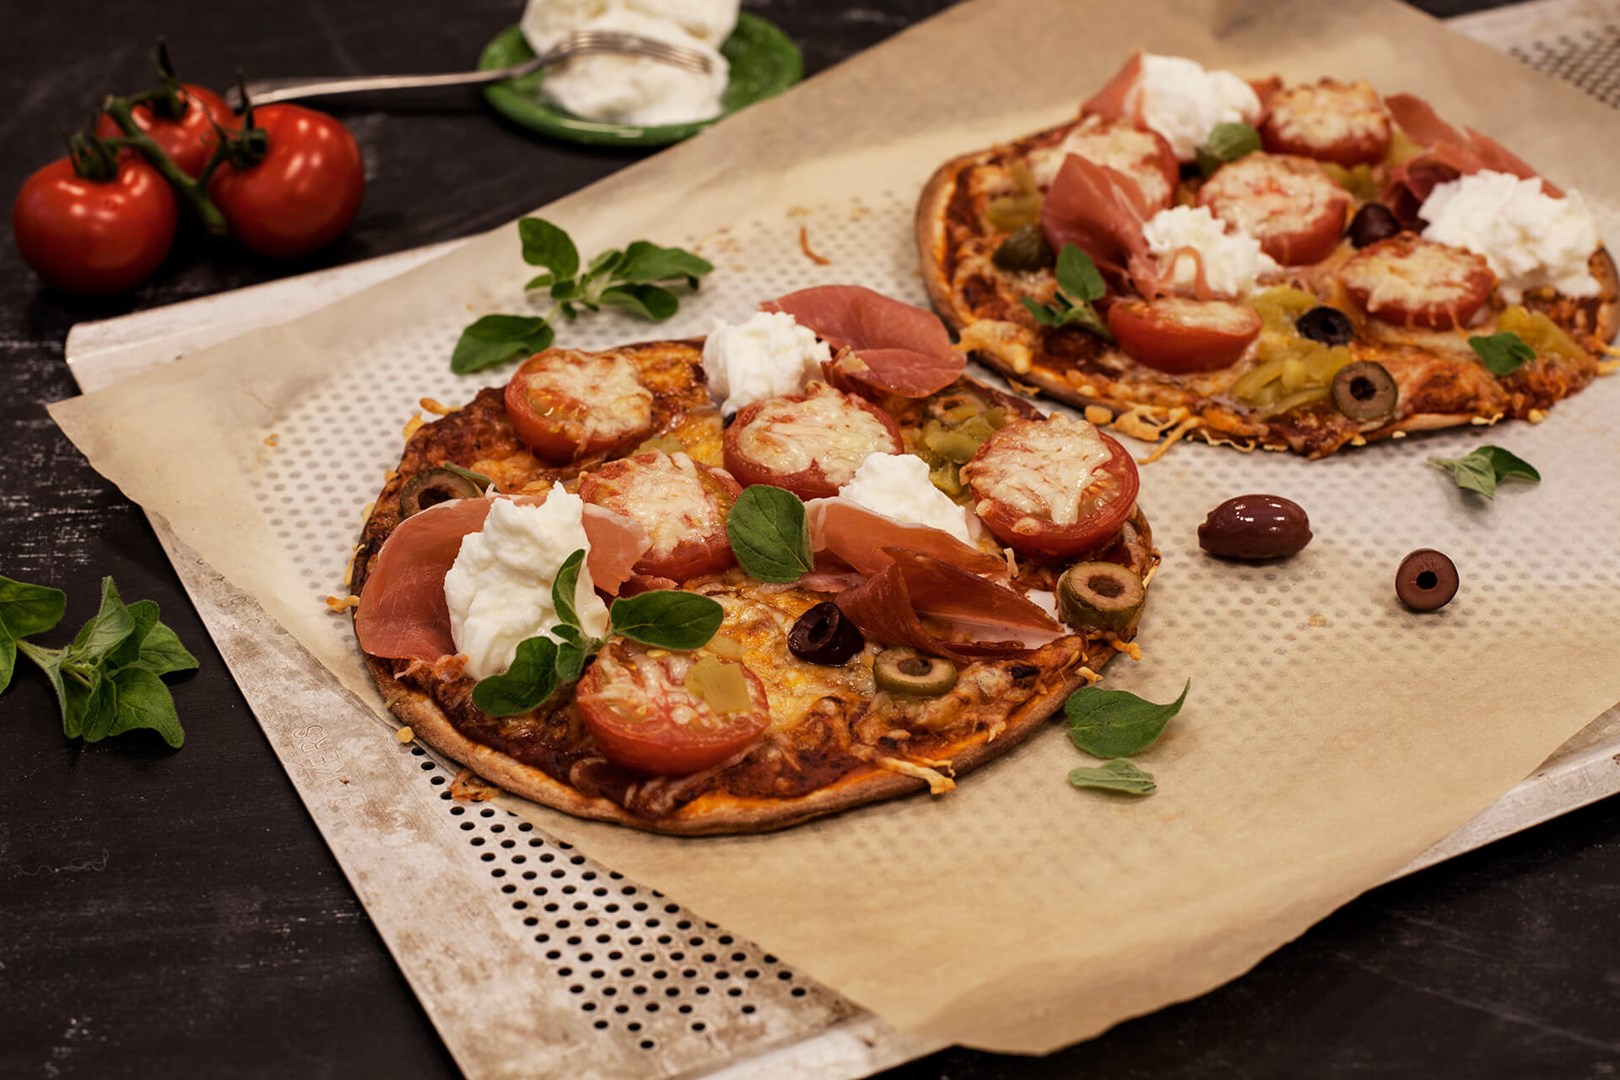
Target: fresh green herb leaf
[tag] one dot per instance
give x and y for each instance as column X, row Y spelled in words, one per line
column 161, row 653
column 1079, row 283
column 605, row 263
column 1227, row 142
column 667, row 618
column 1078, row 276
column 50, row 662
column 108, row 680
column 636, row 278
column 571, row 661
column 1481, row 470
column 1502, row 354
column 99, row 712
column 649, row 301
column 565, row 586
column 1117, row 775
column 145, row 614
column 646, row 262
column 770, row 534
column 107, row 629
column 8, row 657
column 525, row 685
column 572, row 635
column 1046, row 316
column 26, row 610
column 142, row 701
column 495, row 339
column 1117, row 723
column 547, row 245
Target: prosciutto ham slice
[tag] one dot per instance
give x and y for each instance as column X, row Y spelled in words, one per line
column 860, row 537
column 1449, row 153
column 896, row 348
column 1101, row 211
column 1112, row 101
column 402, row 612
column 939, row 608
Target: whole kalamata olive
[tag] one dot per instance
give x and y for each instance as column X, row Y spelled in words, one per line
column 1372, row 223
column 1427, row 580
column 824, row 636
column 1255, row 527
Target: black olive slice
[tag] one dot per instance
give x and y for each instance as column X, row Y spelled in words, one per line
column 1426, row 580
column 434, row 486
column 1364, row 391
column 1026, row 249
column 1328, row 325
column 907, row 671
column 1372, row 223
column 1100, row 594
column 824, row 636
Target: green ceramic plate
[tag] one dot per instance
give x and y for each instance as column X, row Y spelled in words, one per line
column 764, row 61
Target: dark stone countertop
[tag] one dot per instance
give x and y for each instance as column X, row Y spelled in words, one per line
column 177, row 914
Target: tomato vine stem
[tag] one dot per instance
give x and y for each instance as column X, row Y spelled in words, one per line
column 193, row 192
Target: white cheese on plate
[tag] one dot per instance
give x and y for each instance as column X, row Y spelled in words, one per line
column 1528, row 237
column 499, row 589
column 631, row 89
column 1232, row 260
column 767, row 356
column 1177, row 98
column 897, row 486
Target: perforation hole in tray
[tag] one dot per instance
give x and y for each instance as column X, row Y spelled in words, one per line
column 633, row 961
column 1589, row 58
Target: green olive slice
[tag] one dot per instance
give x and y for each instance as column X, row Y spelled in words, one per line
column 907, row 671
column 434, row 486
column 1365, row 391
column 1100, row 594
column 1026, row 249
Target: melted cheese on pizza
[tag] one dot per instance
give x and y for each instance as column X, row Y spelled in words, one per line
column 608, row 383
column 1043, row 471
column 826, row 429
column 1327, row 113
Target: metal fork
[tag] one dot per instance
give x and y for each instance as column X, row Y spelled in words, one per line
column 579, row 43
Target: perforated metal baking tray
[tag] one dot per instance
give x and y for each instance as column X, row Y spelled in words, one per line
column 598, row 974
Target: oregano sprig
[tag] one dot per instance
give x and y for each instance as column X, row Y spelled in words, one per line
column 641, row 278
column 109, row 679
column 663, row 618
column 1079, row 283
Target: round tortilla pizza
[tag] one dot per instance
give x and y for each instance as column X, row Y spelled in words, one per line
column 1261, row 268
column 904, row 655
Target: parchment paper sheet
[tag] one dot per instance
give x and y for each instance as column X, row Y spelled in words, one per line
column 1329, row 736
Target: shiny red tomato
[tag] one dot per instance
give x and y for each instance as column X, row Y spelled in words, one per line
column 94, row 237
column 304, row 192
column 1184, row 336
column 638, row 709
column 681, row 503
column 188, row 139
column 1021, row 483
